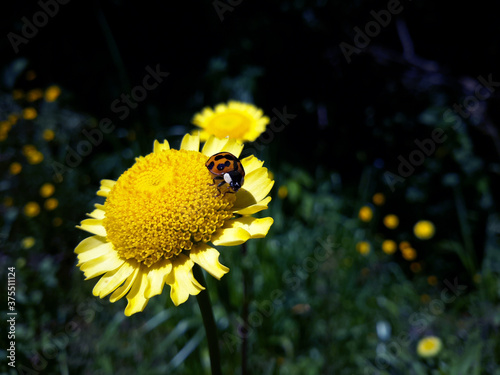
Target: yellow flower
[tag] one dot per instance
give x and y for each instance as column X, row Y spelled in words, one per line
column 432, row 280
column 241, row 121
column 48, row 134
column 27, row 242
column 378, row 199
column 34, row 95
column 391, row 221
column 365, row 213
column 47, row 189
column 282, row 192
column 51, row 204
column 363, row 247
column 30, row 113
column 163, row 215
column 429, row 346
column 15, row 168
column 409, row 253
column 31, row 209
column 404, row 245
column 52, row 93
column 389, row 247
column 424, row 229
column 35, row 157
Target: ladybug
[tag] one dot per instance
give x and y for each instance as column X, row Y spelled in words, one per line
column 226, row 168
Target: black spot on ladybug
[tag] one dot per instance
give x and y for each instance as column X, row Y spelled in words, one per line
column 210, row 166
column 235, row 165
column 224, row 156
column 221, row 166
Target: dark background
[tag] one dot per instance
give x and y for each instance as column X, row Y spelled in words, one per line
column 353, row 120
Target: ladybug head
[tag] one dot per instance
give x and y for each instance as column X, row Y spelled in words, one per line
column 234, row 179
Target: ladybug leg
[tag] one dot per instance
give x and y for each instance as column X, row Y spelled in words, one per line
column 217, row 178
column 218, row 188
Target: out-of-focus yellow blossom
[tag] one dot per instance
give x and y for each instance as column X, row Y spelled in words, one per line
column 15, row 168
column 51, row 204
column 429, row 346
column 52, row 93
column 363, row 247
column 389, row 247
column 47, row 189
column 391, row 221
column 29, row 113
column 365, row 213
column 424, row 230
column 28, row 242
column 34, row 95
column 48, row 135
column 31, row 209
column 378, row 199
column 282, row 192
column 409, row 253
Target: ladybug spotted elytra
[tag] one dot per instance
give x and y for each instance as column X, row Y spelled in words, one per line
column 226, row 168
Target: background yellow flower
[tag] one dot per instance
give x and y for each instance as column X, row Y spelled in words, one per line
column 241, row 121
column 424, row 229
column 429, row 346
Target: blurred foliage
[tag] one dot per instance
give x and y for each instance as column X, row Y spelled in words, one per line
column 319, row 305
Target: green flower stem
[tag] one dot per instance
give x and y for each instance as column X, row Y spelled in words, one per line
column 244, row 314
column 207, row 314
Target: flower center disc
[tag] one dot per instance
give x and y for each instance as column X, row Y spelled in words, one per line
column 164, row 204
column 229, row 123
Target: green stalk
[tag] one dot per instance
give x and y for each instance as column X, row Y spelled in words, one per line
column 207, row 314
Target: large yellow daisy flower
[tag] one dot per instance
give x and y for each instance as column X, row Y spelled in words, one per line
column 241, row 121
column 163, row 215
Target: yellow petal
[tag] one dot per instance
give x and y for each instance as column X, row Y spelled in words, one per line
column 157, row 277
column 254, row 208
column 191, row 142
column 257, row 228
column 96, row 252
column 107, row 262
column 213, row 145
column 112, row 280
column 97, row 214
column 182, row 281
column 90, row 243
column 230, row 236
column 233, row 146
column 157, row 146
column 93, row 226
column 106, row 186
column 208, row 258
column 256, row 187
column 136, row 300
column 251, row 163
column 121, row 291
